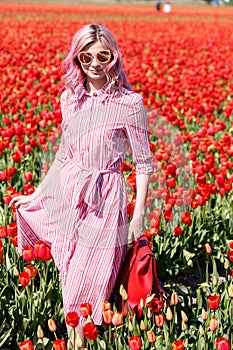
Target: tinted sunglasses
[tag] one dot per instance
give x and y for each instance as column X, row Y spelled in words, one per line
column 86, row 57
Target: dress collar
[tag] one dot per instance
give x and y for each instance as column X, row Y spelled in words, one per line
column 81, row 91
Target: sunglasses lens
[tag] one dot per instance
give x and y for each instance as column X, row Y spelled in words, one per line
column 85, row 57
column 103, row 56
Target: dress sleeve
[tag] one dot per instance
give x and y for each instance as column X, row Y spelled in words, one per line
column 136, row 128
column 64, row 144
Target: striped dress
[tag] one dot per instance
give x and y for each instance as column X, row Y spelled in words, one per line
column 82, row 215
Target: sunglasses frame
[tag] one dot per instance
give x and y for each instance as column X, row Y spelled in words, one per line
column 94, row 56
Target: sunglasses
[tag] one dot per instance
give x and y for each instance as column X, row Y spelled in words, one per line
column 86, row 57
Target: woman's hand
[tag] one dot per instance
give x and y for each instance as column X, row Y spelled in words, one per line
column 22, row 199
column 136, row 228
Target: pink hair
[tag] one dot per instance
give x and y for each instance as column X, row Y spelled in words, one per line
column 89, row 34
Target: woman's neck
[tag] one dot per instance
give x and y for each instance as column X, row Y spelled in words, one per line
column 92, row 86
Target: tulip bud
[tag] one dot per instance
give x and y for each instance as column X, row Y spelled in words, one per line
column 130, row 326
column 169, row 315
column 213, row 324
column 201, row 330
column 149, row 313
column 141, row 303
column 52, row 325
column 79, row 341
column 40, row 332
column 151, row 336
column 204, row 314
column 142, row 325
column 184, row 316
column 103, row 344
column 69, row 345
column 208, row 248
column 184, row 326
column 124, row 295
column 121, row 289
column 15, row 272
column 174, row 298
column 226, row 265
column 230, row 291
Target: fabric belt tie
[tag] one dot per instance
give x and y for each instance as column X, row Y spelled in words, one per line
column 88, row 187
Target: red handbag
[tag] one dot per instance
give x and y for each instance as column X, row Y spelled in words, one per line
column 138, row 276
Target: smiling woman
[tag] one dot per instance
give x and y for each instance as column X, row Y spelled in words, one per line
column 80, row 208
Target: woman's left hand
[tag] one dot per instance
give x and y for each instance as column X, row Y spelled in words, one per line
column 136, row 228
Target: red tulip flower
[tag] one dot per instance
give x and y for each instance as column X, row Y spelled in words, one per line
column 186, row 218
column 159, row 320
column 90, row 331
column 178, row 345
column 27, row 253
column 59, row 344
column 222, row 344
column 108, row 315
column 155, row 305
column 230, row 243
column 230, row 256
column 26, row 345
column 135, row 342
column 3, row 232
column 178, row 231
column 24, row 278
column 117, row 319
column 214, row 302
column 86, row 310
column 72, row 319
column 42, row 251
column 31, row 270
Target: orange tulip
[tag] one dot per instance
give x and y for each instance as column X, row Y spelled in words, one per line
column 108, row 315
column 151, row 336
column 52, row 325
column 178, row 345
column 213, row 324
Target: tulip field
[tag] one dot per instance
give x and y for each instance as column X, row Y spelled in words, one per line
column 182, row 65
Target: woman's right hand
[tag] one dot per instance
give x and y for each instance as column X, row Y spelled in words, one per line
column 21, row 199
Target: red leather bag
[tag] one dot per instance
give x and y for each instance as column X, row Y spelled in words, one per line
column 138, row 275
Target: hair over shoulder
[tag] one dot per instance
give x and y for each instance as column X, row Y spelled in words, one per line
column 90, row 33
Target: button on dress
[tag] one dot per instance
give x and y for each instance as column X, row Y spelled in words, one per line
column 82, row 215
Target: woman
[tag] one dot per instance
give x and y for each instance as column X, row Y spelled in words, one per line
column 80, row 208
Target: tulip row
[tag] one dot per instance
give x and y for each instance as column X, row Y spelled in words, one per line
column 185, row 77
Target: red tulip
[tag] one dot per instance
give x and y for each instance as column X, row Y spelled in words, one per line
column 59, row 344
column 117, row 319
column 27, row 253
column 155, row 305
column 86, row 310
column 108, row 315
column 222, row 344
column 214, row 302
column 26, row 345
column 12, row 229
column 230, row 256
column 159, row 320
column 135, row 342
column 90, row 331
column 31, row 270
column 24, row 278
column 72, row 319
column 42, row 251
column 178, row 231
column 3, row 232
column 186, row 218
column 230, row 244
column 178, row 345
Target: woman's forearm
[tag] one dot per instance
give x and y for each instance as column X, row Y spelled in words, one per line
column 142, row 183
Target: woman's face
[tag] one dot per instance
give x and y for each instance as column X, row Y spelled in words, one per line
column 95, row 70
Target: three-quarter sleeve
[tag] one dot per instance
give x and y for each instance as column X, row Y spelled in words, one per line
column 64, row 144
column 136, row 128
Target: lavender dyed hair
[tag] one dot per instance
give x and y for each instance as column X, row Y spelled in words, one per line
column 89, row 34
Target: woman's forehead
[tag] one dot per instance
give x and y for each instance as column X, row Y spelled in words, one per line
column 95, row 47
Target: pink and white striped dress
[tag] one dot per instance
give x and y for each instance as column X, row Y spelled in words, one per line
column 82, row 216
